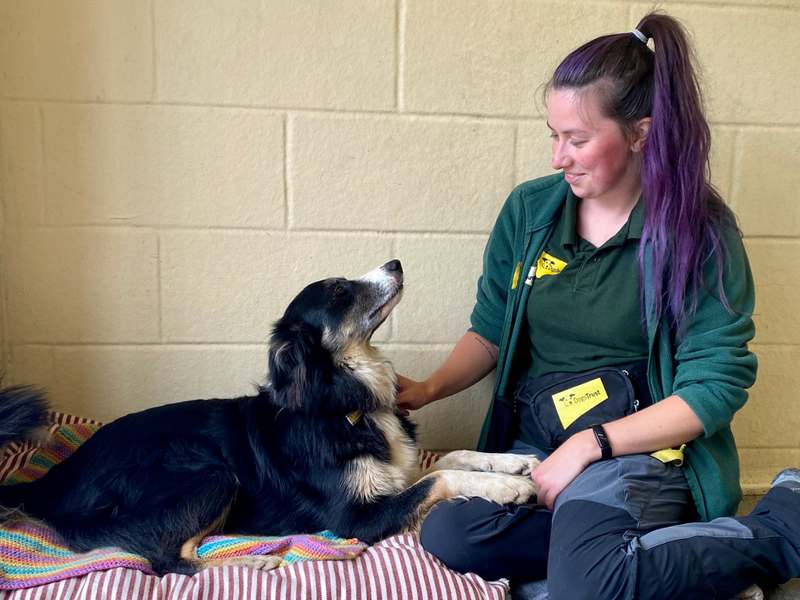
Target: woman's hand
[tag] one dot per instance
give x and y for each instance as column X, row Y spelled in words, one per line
column 412, row 395
column 472, row 359
column 560, row 469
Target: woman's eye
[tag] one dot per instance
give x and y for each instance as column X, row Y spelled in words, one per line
column 553, row 136
column 578, row 143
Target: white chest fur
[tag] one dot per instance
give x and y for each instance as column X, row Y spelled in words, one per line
column 369, row 478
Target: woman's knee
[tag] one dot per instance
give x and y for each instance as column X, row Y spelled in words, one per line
column 444, row 534
column 493, row 541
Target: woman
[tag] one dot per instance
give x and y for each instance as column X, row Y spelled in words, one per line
column 627, row 263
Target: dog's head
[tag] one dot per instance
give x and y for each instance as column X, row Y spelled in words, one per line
column 320, row 357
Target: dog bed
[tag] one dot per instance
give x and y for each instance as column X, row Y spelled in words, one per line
column 320, row 566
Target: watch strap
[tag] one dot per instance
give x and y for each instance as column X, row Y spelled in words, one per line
column 602, row 441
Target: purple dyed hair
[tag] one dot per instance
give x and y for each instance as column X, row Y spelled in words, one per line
column 685, row 217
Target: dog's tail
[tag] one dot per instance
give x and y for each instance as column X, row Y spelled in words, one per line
column 23, row 413
column 23, row 416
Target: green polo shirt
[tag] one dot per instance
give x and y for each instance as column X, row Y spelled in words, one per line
column 584, row 307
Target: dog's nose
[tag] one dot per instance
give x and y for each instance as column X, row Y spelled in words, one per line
column 393, row 265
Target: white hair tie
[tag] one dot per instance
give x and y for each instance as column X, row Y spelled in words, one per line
column 639, row 35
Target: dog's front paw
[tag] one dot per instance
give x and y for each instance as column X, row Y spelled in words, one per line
column 260, row 562
column 752, row 593
column 487, row 462
column 265, row 562
column 514, row 464
column 513, row 489
column 497, row 487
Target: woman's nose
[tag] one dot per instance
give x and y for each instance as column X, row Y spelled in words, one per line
column 560, row 157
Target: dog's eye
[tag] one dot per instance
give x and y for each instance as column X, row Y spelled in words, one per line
column 338, row 290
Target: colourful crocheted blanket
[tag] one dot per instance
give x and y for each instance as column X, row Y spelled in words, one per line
column 31, row 553
column 293, row 548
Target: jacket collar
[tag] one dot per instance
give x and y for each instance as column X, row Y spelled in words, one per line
column 542, row 199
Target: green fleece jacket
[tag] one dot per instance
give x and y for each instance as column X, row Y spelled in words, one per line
column 710, row 367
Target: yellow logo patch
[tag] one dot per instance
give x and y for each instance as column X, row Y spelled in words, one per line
column 576, row 401
column 549, row 265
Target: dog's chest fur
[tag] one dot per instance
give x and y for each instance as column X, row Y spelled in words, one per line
column 369, row 478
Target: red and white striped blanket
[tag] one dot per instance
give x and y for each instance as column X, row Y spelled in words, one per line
column 395, row 568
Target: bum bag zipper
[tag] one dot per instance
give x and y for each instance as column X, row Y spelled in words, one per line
column 632, row 379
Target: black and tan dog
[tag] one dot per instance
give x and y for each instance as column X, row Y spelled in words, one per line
column 322, row 446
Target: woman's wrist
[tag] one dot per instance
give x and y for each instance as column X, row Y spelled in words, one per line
column 430, row 391
column 590, row 446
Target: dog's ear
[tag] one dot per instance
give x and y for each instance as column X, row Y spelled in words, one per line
column 294, row 355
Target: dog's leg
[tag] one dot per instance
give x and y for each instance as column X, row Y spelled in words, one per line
column 404, row 512
column 200, row 504
column 497, row 487
column 190, row 555
column 466, row 460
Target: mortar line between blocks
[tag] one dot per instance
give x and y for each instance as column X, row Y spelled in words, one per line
column 5, row 343
column 392, row 255
column 400, row 32
column 287, row 213
column 154, row 91
column 745, row 5
column 732, row 169
column 149, row 345
column 41, row 202
column 466, row 117
column 355, row 233
column 389, row 345
column 515, row 157
column 160, row 290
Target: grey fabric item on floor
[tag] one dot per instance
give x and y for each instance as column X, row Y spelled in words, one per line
column 535, row 590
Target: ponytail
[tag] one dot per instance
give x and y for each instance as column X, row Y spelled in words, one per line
column 685, row 217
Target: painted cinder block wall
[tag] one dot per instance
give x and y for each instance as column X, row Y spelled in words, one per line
column 173, row 172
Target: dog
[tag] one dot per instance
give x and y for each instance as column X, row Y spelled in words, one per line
column 321, row 446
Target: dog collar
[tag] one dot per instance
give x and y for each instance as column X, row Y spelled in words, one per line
column 354, row 417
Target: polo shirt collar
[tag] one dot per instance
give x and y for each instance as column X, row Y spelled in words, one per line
column 632, row 230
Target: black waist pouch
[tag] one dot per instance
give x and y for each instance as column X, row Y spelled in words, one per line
column 558, row 405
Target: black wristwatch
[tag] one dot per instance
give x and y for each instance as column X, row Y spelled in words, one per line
column 602, row 441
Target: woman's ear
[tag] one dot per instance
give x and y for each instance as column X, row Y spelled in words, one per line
column 641, row 129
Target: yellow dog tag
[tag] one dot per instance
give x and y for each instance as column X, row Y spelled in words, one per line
column 354, row 417
column 574, row 402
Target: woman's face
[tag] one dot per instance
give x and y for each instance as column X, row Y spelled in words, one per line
column 597, row 159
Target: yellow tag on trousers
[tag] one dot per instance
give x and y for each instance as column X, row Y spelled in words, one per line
column 549, row 265
column 574, row 402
